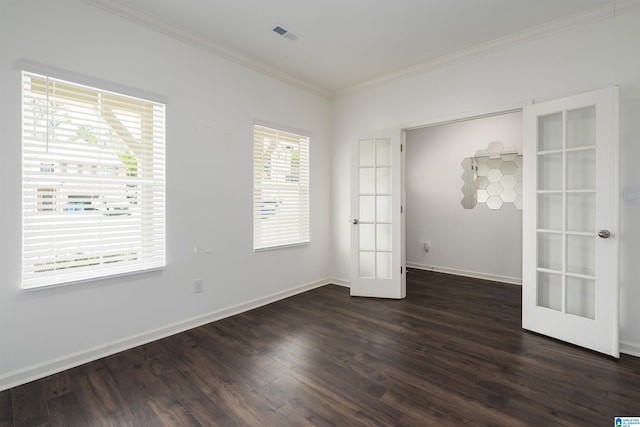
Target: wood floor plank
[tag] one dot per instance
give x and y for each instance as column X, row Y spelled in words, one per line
column 57, row 385
column 172, row 413
column 6, row 409
column 99, row 395
column 137, row 386
column 29, row 406
column 194, row 399
column 65, row 411
column 451, row 353
column 226, row 386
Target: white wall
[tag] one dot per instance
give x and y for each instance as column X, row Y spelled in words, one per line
column 477, row 242
column 211, row 106
column 580, row 59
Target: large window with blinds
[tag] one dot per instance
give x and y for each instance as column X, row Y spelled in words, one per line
column 280, row 188
column 93, row 182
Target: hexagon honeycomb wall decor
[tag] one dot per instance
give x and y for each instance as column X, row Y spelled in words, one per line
column 493, row 177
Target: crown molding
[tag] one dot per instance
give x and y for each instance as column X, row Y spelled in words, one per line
column 121, row 9
column 608, row 11
column 622, row 7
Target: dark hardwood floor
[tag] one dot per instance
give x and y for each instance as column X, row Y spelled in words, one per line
column 451, row 353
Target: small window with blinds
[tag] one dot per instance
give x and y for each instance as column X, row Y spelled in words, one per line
column 93, row 184
column 280, row 188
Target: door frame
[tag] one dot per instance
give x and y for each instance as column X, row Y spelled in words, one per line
column 450, row 120
column 446, row 120
column 482, row 113
column 402, row 130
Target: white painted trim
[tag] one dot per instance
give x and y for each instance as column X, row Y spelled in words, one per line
column 611, row 10
column 24, row 376
column 465, row 273
column 491, row 111
column 281, row 127
column 607, row 11
column 341, row 282
column 82, row 79
column 621, row 7
column 630, row 349
column 123, row 10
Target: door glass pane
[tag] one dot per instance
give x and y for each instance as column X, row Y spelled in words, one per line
column 367, row 237
column 581, row 297
column 367, row 155
column 367, row 183
column 581, row 255
column 581, row 127
column 550, row 171
column 367, row 208
column 549, row 290
column 383, row 237
column 375, row 212
column 383, row 265
column 368, row 264
column 383, row 180
column 581, row 170
column 383, row 208
column 550, row 132
column 550, row 211
column 383, row 152
column 581, row 212
column 550, row 251
column 374, row 186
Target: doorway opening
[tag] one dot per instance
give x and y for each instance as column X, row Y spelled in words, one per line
column 444, row 236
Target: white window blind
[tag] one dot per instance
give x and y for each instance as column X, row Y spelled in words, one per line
column 93, row 192
column 281, row 188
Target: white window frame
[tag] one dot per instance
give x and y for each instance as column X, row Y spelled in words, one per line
column 93, row 183
column 281, row 214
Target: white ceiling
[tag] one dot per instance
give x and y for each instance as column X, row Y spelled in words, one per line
column 344, row 43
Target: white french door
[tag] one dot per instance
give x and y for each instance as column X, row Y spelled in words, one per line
column 570, row 220
column 377, row 221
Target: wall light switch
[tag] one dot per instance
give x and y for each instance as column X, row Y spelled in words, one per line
column 630, row 196
column 198, row 286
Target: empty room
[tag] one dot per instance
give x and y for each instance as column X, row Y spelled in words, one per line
column 289, row 213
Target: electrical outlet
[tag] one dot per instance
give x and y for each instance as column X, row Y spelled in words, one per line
column 426, row 246
column 198, row 286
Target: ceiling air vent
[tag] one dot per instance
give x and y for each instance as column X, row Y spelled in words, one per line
column 280, row 30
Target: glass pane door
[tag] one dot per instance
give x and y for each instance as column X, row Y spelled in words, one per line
column 566, row 215
column 377, row 230
column 570, row 277
column 374, row 208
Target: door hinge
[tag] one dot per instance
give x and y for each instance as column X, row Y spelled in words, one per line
column 400, row 270
column 401, row 148
column 401, row 210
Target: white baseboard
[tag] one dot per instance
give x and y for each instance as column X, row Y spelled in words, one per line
column 23, row 376
column 465, row 273
column 341, row 282
column 630, row 349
